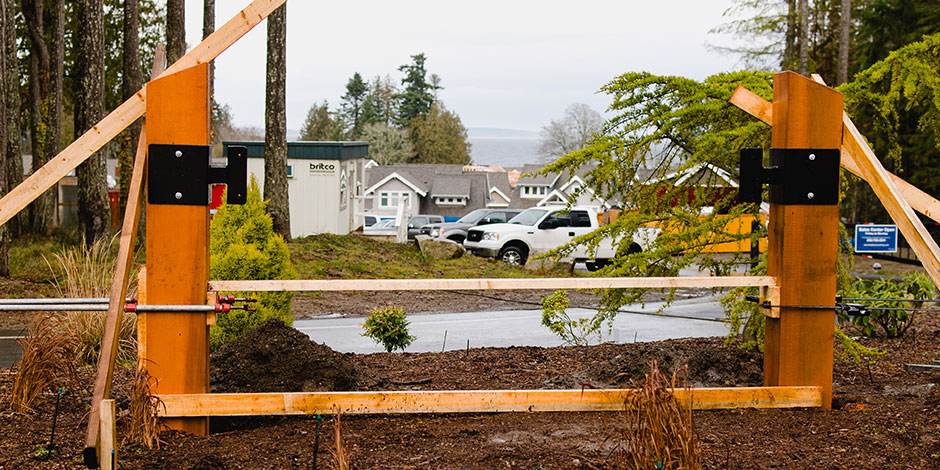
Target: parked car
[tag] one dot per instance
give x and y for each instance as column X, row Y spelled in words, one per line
column 539, row 230
column 415, row 223
column 457, row 231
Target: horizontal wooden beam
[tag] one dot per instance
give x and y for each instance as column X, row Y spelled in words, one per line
column 128, row 112
column 920, row 201
column 471, row 401
column 492, row 284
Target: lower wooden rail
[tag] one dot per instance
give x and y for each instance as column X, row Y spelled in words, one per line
column 472, row 401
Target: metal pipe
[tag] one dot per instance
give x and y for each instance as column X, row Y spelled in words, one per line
column 62, row 300
column 127, row 308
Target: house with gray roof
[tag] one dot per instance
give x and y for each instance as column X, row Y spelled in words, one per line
column 447, row 190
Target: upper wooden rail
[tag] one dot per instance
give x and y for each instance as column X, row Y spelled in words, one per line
column 472, row 401
column 492, row 284
column 128, row 112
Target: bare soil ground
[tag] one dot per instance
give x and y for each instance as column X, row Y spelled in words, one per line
column 885, row 418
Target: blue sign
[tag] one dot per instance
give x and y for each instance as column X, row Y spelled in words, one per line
column 876, row 238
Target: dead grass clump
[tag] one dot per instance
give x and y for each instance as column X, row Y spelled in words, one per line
column 340, row 452
column 86, row 271
column 659, row 432
column 142, row 425
column 48, row 362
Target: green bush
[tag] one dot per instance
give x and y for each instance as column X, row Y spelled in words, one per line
column 388, row 327
column 243, row 246
column 891, row 323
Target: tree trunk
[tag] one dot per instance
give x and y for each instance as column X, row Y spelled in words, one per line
column 41, row 210
column 56, row 80
column 845, row 30
column 804, row 37
column 132, row 80
column 93, row 209
column 4, row 239
column 791, row 48
column 208, row 27
column 275, row 124
column 14, row 155
column 175, row 30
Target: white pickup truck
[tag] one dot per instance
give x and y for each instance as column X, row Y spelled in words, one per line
column 540, row 229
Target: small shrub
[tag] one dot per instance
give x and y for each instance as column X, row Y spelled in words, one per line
column 86, row 271
column 243, row 246
column 579, row 331
column 889, row 323
column 658, row 433
column 48, row 362
column 388, row 327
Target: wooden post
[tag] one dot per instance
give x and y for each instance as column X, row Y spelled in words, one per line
column 802, row 244
column 108, row 433
column 177, row 345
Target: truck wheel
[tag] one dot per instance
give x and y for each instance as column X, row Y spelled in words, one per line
column 596, row 264
column 512, row 255
column 456, row 239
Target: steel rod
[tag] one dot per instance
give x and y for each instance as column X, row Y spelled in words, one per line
column 104, row 307
column 59, row 300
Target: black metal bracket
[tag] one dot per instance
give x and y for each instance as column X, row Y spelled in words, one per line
column 181, row 175
column 795, row 176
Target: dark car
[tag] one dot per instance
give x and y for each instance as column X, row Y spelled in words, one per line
column 415, row 223
column 457, row 231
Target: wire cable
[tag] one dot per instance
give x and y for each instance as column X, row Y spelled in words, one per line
column 598, row 309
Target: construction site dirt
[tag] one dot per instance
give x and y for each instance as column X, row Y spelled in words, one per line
column 883, row 416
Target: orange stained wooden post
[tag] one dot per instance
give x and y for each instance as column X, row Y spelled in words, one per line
column 176, row 345
column 802, row 244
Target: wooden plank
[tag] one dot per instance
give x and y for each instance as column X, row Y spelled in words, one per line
column 177, row 345
column 491, row 284
column 900, row 210
column 108, row 433
column 920, row 201
column 128, row 112
column 803, row 244
column 772, row 295
column 115, row 314
column 472, row 401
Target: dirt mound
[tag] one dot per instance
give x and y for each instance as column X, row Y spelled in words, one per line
column 276, row 358
column 709, row 366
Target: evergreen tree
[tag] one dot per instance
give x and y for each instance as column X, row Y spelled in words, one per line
column 380, row 105
column 356, row 92
column 387, row 145
column 896, row 105
column 418, row 95
column 94, row 213
column 275, row 124
column 439, row 136
column 243, row 245
column 321, row 124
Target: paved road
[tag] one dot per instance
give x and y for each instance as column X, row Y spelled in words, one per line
column 524, row 328
column 10, row 351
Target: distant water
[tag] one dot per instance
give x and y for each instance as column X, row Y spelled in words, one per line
column 503, row 151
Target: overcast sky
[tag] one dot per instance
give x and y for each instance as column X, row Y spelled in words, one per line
column 514, row 64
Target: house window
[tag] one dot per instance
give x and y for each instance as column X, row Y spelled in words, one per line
column 534, row 191
column 450, row 201
column 389, row 199
column 290, row 171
